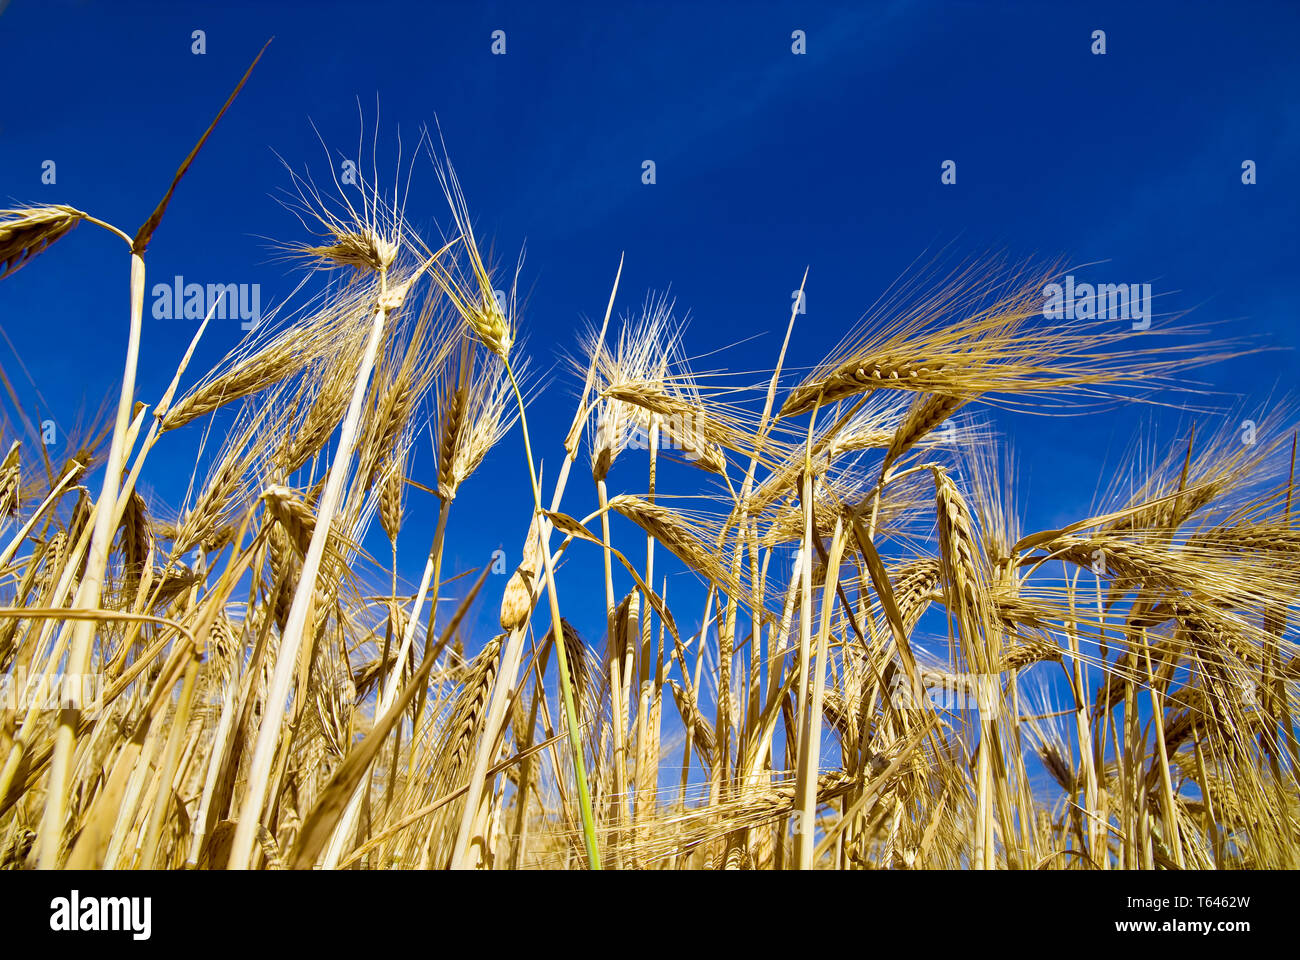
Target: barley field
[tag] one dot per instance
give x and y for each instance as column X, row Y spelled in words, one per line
column 876, row 666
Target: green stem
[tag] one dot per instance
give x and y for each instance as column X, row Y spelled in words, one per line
column 561, row 660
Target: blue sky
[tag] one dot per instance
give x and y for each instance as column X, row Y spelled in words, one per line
column 767, row 163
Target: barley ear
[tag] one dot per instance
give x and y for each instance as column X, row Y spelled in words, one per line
column 26, row 232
